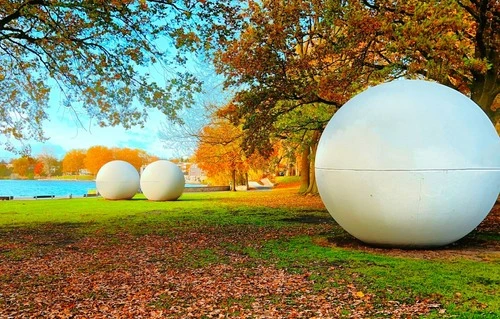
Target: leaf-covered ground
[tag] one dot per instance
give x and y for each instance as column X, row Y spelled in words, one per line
column 201, row 271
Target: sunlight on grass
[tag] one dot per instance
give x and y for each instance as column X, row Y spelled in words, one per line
column 246, row 231
column 466, row 285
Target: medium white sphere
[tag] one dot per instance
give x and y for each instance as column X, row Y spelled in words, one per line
column 409, row 163
column 162, row 180
column 117, row 180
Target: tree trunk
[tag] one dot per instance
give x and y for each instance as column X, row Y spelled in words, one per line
column 313, row 187
column 484, row 91
column 484, row 87
column 304, row 169
column 234, row 181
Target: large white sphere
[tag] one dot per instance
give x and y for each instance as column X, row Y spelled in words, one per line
column 117, row 180
column 409, row 163
column 162, row 180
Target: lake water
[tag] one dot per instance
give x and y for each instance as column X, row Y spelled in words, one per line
column 58, row 188
column 30, row 188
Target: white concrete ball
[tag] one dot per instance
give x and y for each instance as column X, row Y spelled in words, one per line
column 117, row 180
column 409, row 163
column 162, row 180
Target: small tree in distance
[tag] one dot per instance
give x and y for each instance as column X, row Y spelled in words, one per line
column 23, row 166
column 38, row 169
column 219, row 153
column 135, row 157
column 73, row 162
column 96, row 157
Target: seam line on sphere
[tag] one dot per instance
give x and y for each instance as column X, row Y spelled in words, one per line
column 409, row 170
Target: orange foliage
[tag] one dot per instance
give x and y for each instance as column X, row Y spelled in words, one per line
column 38, row 169
column 96, row 157
column 21, row 166
column 221, row 156
column 219, row 152
column 133, row 156
column 74, row 161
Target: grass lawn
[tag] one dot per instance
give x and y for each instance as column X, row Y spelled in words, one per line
column 261, row 254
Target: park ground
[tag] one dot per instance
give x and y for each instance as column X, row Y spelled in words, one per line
column 261, row 254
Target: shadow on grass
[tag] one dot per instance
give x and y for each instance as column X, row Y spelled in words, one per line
column 47, row 234
column 309, row 219
column 475, row 246
column 172, row 201
column 198, row 200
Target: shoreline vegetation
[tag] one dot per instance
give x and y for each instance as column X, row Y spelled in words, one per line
column 272, row 254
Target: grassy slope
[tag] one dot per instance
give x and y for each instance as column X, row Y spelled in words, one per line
column 310, row 244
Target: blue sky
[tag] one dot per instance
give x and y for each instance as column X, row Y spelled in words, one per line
column 66, row 132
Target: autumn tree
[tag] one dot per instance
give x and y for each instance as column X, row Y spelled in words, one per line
column 146, row 158
column 96, row 157
column 454, row 42
column 74, row 161
column 4, row 170
column 302, row 127
column 38, row 169
column 23, row 166
column 94, row 53
column 135, row 157
column 284, row 158
column 291, row 66
column 51, row 165
column 219, row 152
column 314, row 53
column 294, row 82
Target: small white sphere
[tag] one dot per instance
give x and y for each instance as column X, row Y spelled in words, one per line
column 117, row 180
column 162, row 180
column 409, row 163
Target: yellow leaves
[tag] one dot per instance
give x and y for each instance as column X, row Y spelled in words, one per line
column 157, row 95
column 22, row 165
column 73, row 161
column 144, row 4
column 360, row 294
column 219, row 150
column 478, row 65
column 96, row 157
column 135, row 157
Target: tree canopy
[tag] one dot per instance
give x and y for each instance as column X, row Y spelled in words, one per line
column 96, row 54
column 284, row 55
column 219, row 152
column 96, row 157
column 73, row 161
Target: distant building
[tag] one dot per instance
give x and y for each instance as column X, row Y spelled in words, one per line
column 195, row 174
column 184, row 166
